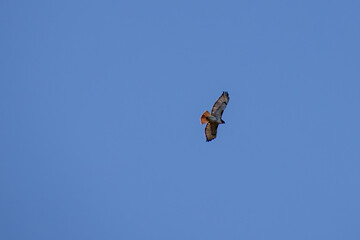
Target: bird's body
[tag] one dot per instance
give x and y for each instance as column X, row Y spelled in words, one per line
column 214, row 119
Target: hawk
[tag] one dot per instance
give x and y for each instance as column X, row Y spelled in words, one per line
column 214, row 119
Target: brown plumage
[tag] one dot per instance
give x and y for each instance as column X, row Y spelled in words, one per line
column 214, row 119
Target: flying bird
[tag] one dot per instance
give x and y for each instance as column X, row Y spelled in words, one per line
column 214, row 119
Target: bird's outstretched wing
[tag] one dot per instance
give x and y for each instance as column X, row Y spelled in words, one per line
column 210, row 131
column 220, row 105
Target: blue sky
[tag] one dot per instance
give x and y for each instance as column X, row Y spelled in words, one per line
column 100, row 120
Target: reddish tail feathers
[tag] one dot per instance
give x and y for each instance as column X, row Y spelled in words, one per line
column 203, row 117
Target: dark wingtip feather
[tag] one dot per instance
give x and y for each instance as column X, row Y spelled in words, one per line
column 208, row 140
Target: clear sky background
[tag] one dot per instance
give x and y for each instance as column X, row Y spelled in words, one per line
column 100, row 134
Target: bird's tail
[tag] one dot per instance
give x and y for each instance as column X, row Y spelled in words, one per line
column 203, row 117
